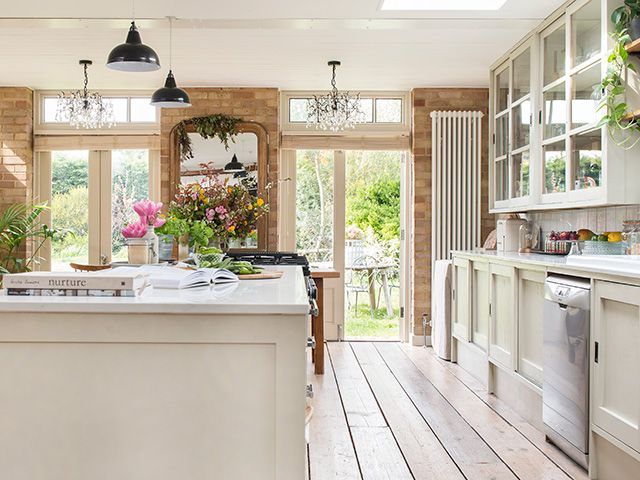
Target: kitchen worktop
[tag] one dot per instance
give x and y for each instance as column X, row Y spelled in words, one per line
column 285, row 295
column 626, row 266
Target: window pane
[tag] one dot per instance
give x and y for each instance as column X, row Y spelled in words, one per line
column 314, row 206
column 298, row 109
column 586, row 32
column 70, row 208
column 587, row 159
column 502, row 91
column 502, row 180
column 388, row 110
column 119, row 108
column 522, row 75
column 129, row 184
column 554, row 55
column 555, row 111
column 50, row 108
column 585, row 97
column 520, row 168
column 141, row 111
column 555, row 161
column 367, row 107
column 502, row 135
column 521, row 124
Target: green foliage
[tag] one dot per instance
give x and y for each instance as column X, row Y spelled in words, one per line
column 68, row 172
column 19, row 224
column 621, row 126
column 377, row 206
column 221, row 126
column 200, row 234
column 174, row 226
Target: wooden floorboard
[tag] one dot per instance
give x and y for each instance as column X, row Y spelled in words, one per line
column 526, row 461
column 391, row 411
column 424, row 454
column 535, row 436
column 331, row 452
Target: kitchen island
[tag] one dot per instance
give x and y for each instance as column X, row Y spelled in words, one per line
column 174, row 384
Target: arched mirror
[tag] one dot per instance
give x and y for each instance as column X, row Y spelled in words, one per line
column 244, row 162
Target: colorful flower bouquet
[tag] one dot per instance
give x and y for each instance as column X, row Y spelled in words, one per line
column 217, row 211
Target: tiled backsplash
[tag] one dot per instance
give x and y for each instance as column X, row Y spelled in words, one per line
column 604, row 219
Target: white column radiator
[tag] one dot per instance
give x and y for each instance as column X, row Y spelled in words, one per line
column 455, row 182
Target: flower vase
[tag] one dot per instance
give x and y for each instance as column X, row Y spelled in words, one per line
column 137, row 251
column 165, row 249
column 153, row 244
column 183, row 247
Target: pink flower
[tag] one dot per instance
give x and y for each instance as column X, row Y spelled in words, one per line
column 210, row 214
column 148, row 212
column 134, row 230
column 159, row 222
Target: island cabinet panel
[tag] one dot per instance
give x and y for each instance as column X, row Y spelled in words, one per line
column 480, row 305
column 503, row 315
column 461, row 298
column 616, row 362
column 530, row 314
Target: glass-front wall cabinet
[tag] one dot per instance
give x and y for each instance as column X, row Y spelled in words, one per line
column 547, row 151
column 512, row 126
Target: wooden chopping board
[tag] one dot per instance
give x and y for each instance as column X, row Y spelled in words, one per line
column 271, row 274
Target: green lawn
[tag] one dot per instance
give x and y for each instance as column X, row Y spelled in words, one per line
column 359, row 324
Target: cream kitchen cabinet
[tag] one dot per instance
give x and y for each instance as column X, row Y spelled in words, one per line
column 461, row 293
column 503, row 311
column 480, row 306
column 529, row 324
column 616, row 362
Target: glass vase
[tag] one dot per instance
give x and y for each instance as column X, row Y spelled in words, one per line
column 165, row 249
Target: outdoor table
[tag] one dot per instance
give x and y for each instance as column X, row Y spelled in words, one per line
column 371, row 269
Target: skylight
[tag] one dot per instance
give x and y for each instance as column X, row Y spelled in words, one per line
column 417, row 5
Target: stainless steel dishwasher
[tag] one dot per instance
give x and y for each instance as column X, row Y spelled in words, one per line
column 565, row 387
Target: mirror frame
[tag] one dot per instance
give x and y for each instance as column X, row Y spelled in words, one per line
column 263, row 161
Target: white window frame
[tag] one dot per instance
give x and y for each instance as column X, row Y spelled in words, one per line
column 374, row 128
column 40, row 127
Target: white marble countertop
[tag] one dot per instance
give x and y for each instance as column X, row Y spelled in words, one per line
column 285, row 295
column 620, row 266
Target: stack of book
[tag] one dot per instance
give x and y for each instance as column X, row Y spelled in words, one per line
column 106, row 283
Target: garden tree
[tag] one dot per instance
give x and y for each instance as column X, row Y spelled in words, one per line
column 68, row 170
column 377, row 205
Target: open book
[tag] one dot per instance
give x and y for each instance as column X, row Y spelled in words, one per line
column 172, row 277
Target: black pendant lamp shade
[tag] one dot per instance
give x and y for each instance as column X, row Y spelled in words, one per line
column 170, row 96
column 133, row 55
column 234, row 166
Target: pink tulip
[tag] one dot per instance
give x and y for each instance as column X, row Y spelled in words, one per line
column 134, row 230
column 148, row 212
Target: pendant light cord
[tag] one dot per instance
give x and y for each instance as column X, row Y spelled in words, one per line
column 333, row 78
column 133, row 10
column 86, row 81
column 170, row 42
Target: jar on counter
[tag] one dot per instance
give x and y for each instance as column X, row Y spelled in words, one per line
column 631, row 236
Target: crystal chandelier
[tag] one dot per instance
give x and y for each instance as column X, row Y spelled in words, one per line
column 84, row 109
column 336, row 110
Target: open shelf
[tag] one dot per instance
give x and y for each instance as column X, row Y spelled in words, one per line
column 633, row 47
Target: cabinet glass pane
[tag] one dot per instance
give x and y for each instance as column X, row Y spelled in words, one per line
column 520, row 178
column 502, row 90
column 555, row 111
column 502, row 180
column 554, row 55
column 521, row 124
column 502, row 135
column 586, row 155
column 586, row 33
column 555, row 162
column 585, row 97
column 522, row 75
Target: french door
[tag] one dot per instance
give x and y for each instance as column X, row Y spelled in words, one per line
column 90, row 194
column 346, row 210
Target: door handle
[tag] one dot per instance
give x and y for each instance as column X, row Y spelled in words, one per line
column 104, row 259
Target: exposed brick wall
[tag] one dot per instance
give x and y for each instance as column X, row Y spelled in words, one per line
column 426, row 100
column 252, row 104
column 16, row 145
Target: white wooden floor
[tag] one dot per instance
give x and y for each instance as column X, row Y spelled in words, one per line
column 391, row 411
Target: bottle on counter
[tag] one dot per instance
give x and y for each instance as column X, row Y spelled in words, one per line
column 529, row 240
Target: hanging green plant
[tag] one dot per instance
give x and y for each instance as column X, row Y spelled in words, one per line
column 622, row 125
column 217, row 125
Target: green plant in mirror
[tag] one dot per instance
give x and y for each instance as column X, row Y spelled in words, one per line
column 622, row 16
column 19, row 224
column 224, row 127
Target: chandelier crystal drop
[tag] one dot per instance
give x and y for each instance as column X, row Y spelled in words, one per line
column 336, row 110
column 84, row 109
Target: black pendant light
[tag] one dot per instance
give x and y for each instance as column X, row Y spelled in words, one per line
column 170, row 96
column 133, row 55
column 234, row 166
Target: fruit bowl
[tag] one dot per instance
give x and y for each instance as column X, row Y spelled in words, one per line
column 592, row 247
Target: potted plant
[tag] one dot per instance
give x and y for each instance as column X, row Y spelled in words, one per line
column 142, row 241
column 627, row 17
column 19, row 225
column 173, row 229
